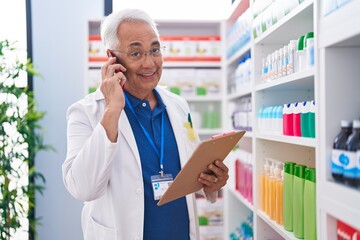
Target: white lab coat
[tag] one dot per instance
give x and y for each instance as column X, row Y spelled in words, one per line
column 107, row 176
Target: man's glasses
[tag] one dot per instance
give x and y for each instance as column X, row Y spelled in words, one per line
column 138, row 54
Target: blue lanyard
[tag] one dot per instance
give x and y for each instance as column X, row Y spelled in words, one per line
column 161, row 155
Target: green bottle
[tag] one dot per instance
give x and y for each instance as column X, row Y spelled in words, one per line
column 288, row 195
column 310, row 204
column 298, row 200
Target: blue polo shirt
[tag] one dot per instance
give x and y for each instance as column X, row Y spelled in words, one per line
column 171, row 220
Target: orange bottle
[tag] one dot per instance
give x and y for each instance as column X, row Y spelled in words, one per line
column 263, row 185
column 279, row 196
column 272, row 191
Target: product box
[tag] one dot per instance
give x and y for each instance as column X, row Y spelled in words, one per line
column 178, row 48
column 345, row 232
column 208, row 82
column 208, row 48
column 96, row 50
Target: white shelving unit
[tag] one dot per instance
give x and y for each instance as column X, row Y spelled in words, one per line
column 199, row 28
column 299, row 86
column 339, row 84
column 333, row 83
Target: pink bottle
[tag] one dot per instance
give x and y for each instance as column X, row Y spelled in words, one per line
column 288, row 113
column 297, row 119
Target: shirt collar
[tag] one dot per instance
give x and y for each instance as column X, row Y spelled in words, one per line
column 135, row 102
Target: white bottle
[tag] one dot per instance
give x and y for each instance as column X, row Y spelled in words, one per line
column 285, row 61
column 291, row 62
column 301, row 54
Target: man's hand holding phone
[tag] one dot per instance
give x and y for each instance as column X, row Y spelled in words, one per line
column 113, row 80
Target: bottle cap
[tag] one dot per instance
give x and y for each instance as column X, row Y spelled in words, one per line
column 356, row 124
column 289, row 167
column 300, row 43
column 310, row 174
column 308, row 36
column 346, row 123
column 299, row 170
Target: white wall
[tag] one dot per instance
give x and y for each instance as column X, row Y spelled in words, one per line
column 59, row 38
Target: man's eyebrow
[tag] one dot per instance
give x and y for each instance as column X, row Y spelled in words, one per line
column 138, row 44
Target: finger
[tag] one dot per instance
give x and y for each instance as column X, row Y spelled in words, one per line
column 209, row 178
column 121, row 78
column 206, row 182
column 221, row 165
column 105, row 67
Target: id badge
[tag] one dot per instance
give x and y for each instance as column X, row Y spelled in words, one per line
column 160, row 184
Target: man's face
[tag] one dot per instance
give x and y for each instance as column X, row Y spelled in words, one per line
column 143, row 73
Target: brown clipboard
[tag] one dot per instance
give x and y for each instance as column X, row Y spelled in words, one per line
column 207, row 152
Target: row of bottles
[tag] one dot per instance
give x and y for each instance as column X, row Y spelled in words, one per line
column 296, row 56
column 244, row 175
column 241, row 114
column 244, row 231
column 288, row 196
column 345, row 161
column 241, row 76
column 292, row 119
column 208, row 119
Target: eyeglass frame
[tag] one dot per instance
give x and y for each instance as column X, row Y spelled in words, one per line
column 143, row 53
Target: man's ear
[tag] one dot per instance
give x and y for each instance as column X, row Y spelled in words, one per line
column 109, row 53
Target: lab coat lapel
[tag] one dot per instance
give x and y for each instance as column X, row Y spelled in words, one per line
column 126, row 131
column 177, row 126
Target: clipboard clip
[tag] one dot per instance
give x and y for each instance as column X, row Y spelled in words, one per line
column 222, row 134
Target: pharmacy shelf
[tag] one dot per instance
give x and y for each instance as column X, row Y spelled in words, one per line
column 278, row 228
column 245, row 49
column 192, row 64
column 341, row 28
column 205, row 98
column 241, row 199
column 206, row 131
column 341, row 202
column 246, row 90
column 300, row 141
column 299, row 20
column 299, row 80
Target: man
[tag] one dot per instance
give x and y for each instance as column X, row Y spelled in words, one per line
column 129, row 136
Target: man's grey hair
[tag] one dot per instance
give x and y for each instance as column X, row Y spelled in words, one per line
column 109, row 26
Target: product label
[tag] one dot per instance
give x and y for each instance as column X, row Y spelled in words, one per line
column 338, row 158
column 358, row 164
column 350, row 164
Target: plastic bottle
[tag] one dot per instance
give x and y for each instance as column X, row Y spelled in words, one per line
column 275, row 65
column 272, row 190
column 279, row 120
column 301, row 54
column 279, row 194
column 338, row 150
column 288, row 119
column 288, row 195
column 312, row 119
column 212, row 118
column 304, row 120
column 260, row 120
column 352, row 145
column 298, row 200
column 263, row 185
column 285, row 61
column 292, row 57
column 297, row 119
column 310, row 204
column 280, row 63
column 309, row 46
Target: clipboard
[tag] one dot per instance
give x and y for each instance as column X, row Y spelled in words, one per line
column 186, row 182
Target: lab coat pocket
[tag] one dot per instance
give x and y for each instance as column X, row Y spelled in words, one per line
column 100, row 232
